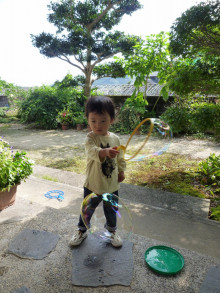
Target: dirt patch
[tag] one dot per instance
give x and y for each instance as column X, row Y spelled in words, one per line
column 70, row 143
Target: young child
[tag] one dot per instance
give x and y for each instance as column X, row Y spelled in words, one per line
column 105, row 164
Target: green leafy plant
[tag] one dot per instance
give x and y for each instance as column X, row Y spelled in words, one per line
column 14, row 167
column 128, row 119
column 195, row 37
column 3, row 111
column 12, row 92
column 215, row 213
column 79, row 118
column 43, row 104
column 149, row 55
column 8, row 115
column 64, row 117
column 191, row 118
column 210, row 172
column 178, row 117
column 206, row 117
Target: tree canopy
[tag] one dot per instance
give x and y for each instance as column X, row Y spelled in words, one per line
column 197, row 30
column 195, row 47
column 150, row 54
column 85, row 35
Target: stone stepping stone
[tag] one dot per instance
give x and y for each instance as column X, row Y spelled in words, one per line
column 97, row 263
column 211, row 283
column 33, row 244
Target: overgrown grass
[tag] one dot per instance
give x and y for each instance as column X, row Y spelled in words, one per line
column 215, row 213
column 174, row 173
column 76, row 164
column 48, row 177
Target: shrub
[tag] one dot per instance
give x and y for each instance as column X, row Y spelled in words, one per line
column 128, row 119
column 178, row 118
column 44, row 103
column 210, row 171
column 3, row 111
column 40, row 107
column 206, row 117
column 194, row 118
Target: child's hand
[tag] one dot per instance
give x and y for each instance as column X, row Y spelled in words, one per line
column 112, row 152
column 108, row 152
column 121, row 176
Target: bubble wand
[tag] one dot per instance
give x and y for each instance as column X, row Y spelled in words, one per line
column 123, row 148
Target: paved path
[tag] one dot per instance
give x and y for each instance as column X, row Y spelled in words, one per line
column 160, row 218
column 196, row 238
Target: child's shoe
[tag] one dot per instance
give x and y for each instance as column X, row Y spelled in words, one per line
column 78, row 238
column 116, row 240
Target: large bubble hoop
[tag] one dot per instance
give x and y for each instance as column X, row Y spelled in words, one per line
column 152, row 121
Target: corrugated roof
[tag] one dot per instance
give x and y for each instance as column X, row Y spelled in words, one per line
column 126, row 90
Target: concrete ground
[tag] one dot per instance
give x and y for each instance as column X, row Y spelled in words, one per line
column 159, row 218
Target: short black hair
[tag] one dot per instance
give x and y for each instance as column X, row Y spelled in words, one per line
column 100, row 105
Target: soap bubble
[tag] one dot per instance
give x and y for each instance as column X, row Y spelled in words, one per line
column 152, row 137
column 93, row 215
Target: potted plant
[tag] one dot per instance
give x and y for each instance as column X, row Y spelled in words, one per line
column 64, row 118
column 80, row 120
column 14, row 167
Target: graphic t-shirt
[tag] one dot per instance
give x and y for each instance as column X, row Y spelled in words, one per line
column 102, row 176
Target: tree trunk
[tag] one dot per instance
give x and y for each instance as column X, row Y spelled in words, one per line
column 88, row 84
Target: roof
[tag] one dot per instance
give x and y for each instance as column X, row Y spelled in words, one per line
column 126, row 90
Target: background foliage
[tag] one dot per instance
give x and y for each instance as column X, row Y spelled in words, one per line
column 198, row 117
column 43, row 104
column 85, row 35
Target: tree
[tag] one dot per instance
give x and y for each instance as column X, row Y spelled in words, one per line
column 193, row 76
column 70, row 81
column 149, row 55
column 197, row 30
column 195, row 43
column 84, row 32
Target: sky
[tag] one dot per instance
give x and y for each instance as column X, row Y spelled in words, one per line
column 23, row 65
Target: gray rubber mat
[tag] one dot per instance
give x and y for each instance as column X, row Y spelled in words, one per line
column 211, row 283
column 97, row 263
column 33, row 244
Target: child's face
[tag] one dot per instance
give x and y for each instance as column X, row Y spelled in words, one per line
column 99, row 123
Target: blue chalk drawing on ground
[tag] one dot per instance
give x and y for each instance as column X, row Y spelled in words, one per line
column 58, row 194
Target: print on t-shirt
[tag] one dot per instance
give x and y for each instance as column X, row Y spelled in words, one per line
column 108, row 165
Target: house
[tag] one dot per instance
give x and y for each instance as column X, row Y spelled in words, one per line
column 119, row 93
column 4, row 101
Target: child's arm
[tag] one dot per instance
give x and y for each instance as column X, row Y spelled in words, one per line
column 121, row 166
column 121, row 176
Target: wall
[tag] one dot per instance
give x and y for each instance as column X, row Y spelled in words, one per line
column 3, row 101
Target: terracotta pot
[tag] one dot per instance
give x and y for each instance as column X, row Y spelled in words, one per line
column 7, row 198
column 79, row 127
column 64, row 126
